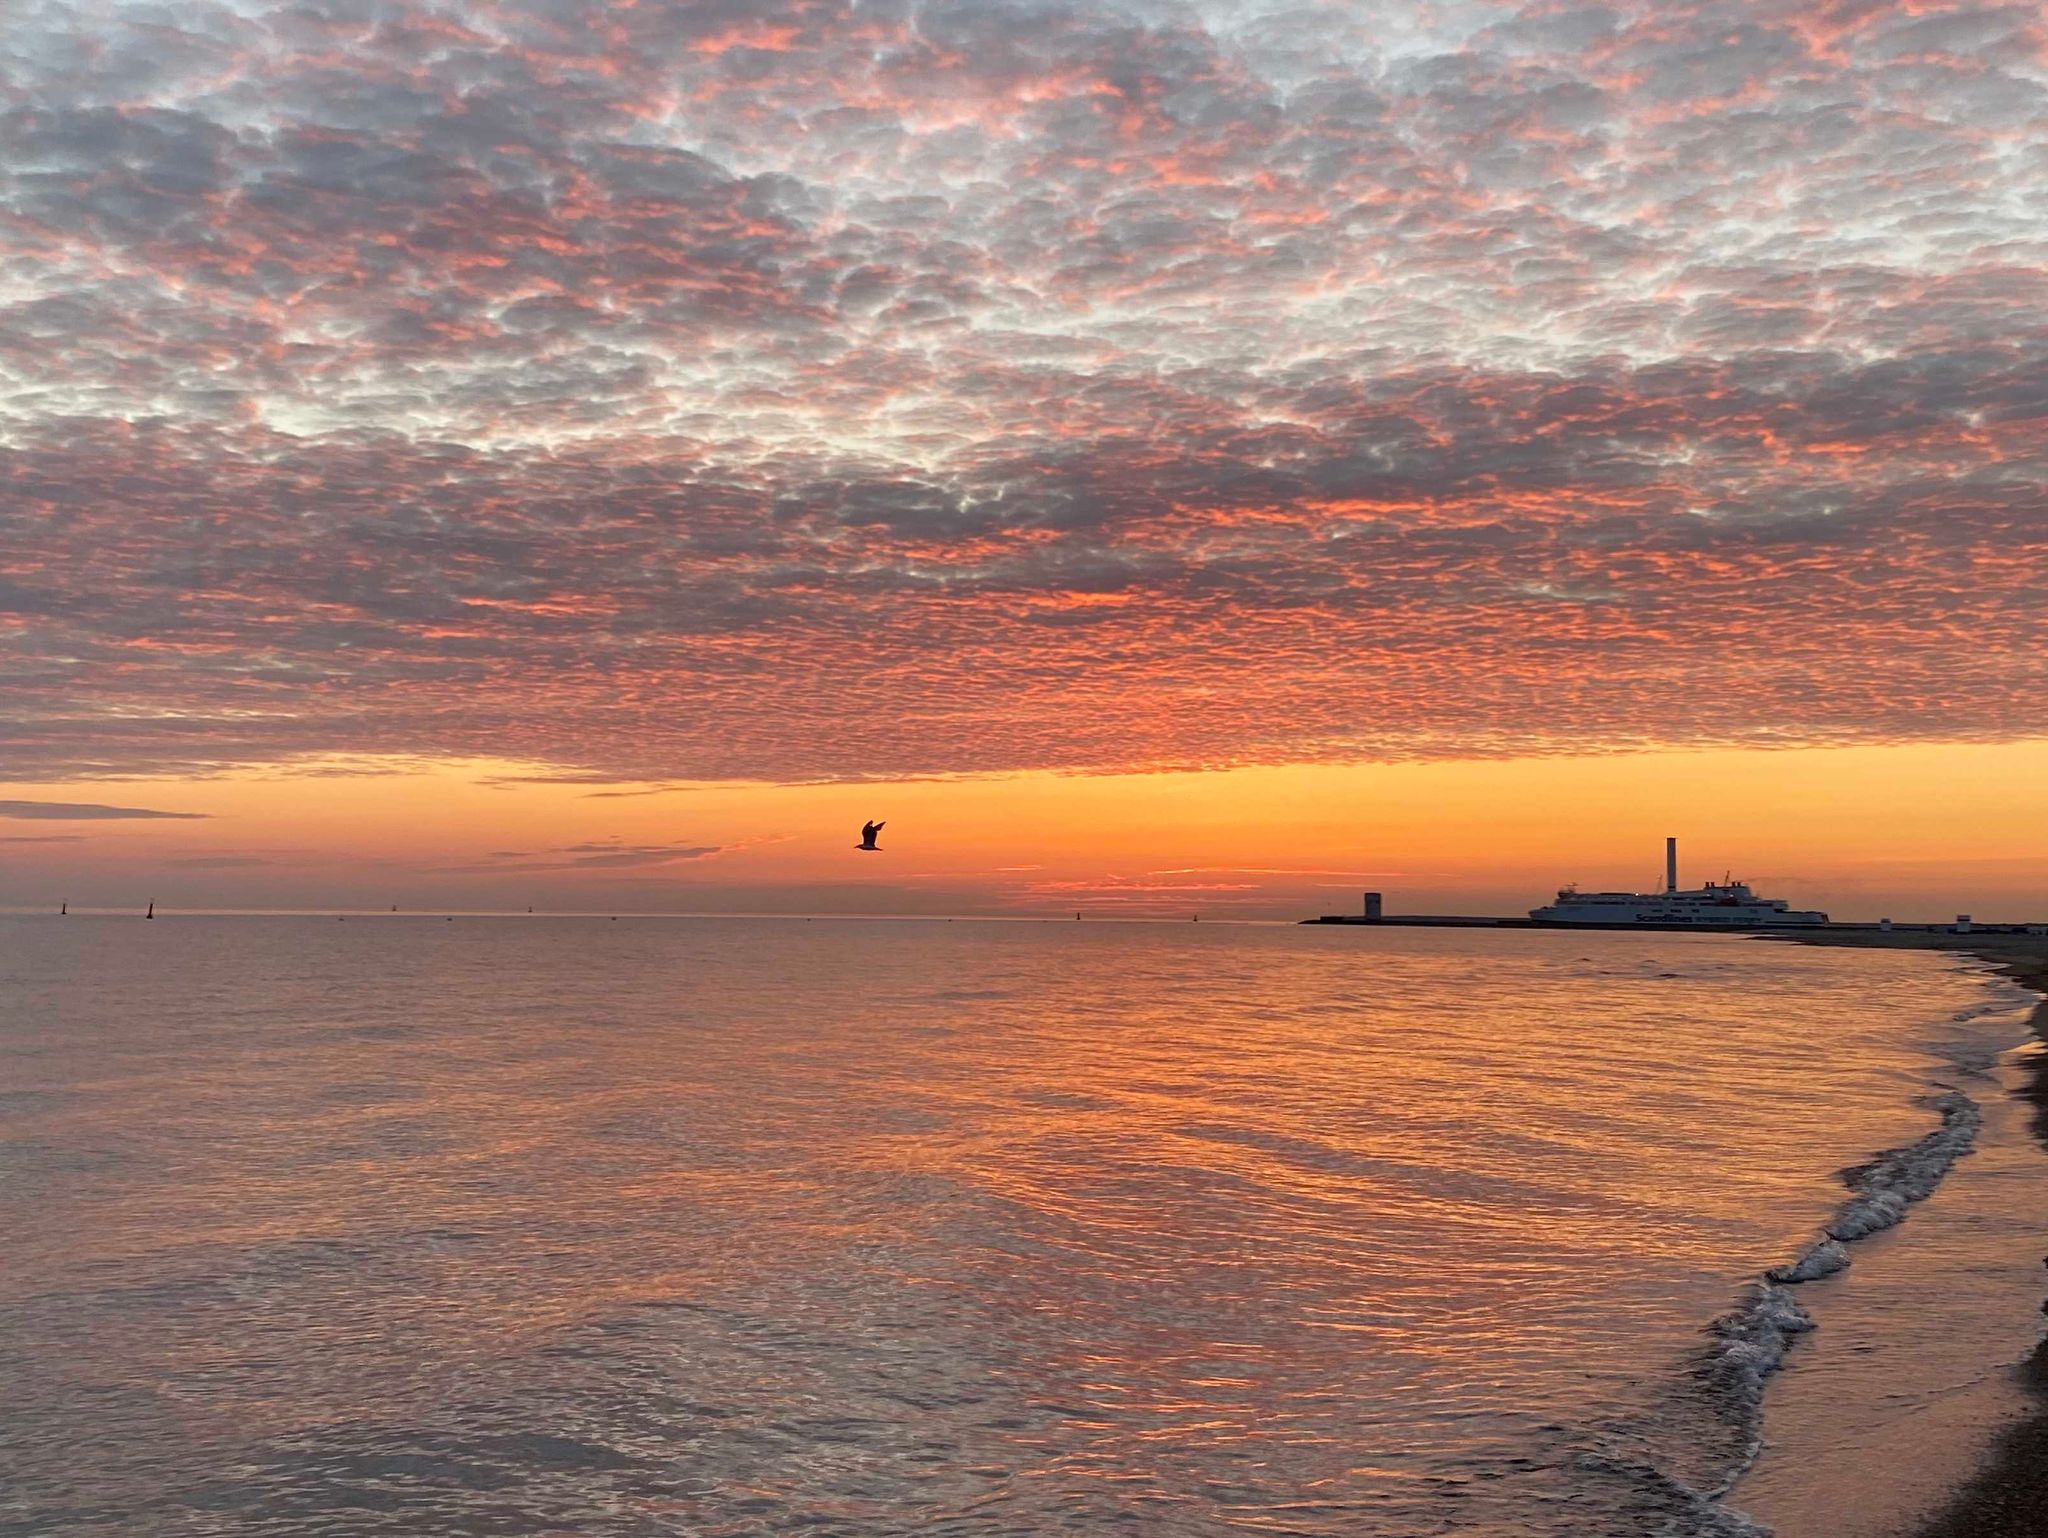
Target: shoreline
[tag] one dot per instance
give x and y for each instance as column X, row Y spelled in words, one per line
column 2006, row 1496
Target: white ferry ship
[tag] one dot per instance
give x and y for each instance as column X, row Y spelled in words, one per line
column 1716, row 905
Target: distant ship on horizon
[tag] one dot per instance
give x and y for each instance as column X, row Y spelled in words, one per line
column 1716, row 904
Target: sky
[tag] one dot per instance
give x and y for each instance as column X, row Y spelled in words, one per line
column 1202, row 456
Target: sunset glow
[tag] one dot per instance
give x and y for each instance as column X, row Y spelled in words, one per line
column 1162, row 457
column 1486, row 836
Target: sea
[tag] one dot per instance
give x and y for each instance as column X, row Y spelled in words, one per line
column 435, row 1227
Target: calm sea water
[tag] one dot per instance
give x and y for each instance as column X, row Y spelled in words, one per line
column 557, row 1226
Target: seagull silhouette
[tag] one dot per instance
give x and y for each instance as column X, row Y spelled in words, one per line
column 868, row 830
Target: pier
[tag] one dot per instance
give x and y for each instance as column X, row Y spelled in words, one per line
column 1483, row 921
column 1715, row 907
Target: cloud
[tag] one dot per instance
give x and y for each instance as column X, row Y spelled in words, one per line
column 85, row 811
column 1269, row 870
column 596, row 855
column 808, row 391
column 608, row 855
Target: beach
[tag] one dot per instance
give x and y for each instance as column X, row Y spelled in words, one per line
column 2005, row 1494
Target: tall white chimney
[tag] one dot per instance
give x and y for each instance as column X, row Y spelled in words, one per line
column 1671, row 865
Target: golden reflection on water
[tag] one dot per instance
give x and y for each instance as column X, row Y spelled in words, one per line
column 736, row 1226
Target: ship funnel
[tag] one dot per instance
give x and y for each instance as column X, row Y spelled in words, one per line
column 1671, row 865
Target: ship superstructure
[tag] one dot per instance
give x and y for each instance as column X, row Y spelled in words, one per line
column 1716, row 905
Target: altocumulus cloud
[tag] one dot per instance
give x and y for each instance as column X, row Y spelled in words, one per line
column 811, row 390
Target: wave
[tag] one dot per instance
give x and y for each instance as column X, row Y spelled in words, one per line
column 2007, row 997
column 1659, row 1502
column 1883, row 1189
column 1749, row 1343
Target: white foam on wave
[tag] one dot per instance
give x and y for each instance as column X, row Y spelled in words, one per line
column 1749, row 1343
column 1823, row 1257
column 1882, row 1190
column 1894, row 1180
column 1745, row 1346
column 1665, row 1505
column 2007, row 997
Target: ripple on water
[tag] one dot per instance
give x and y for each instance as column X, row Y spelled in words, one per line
column 733, row 1228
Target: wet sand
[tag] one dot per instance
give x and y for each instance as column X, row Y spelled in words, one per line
column 2007, row 1496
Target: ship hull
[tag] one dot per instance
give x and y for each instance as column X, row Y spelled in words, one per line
column 1621, row 916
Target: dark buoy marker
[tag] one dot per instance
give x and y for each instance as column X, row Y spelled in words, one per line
column 152, row 911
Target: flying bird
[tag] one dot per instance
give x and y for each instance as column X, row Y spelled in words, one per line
column 868, row 830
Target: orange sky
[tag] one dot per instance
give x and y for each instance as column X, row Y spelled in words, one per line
column 1910, row 831
column 863, row 393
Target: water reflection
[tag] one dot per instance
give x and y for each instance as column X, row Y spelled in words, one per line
column 717, row 1227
